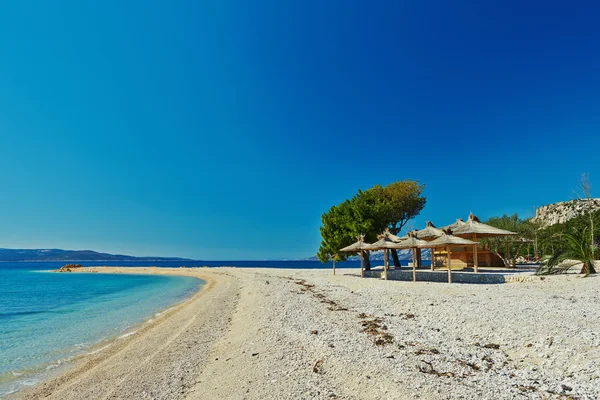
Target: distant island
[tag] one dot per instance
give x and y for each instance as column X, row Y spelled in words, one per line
column 15, row 255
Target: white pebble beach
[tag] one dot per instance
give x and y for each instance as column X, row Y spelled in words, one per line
column 254, row 333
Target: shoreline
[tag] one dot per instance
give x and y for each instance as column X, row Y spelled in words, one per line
column 59, row 367
column 307, row 334
column 107, row 347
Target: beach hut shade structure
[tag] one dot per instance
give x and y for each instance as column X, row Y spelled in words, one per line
column 359, row 247
column 475, row 229
column 453, row 226
column 446, row 241
column 411, row 242
column 385, row 243
column 475, row 226
column 430, row 232
column 393, row 237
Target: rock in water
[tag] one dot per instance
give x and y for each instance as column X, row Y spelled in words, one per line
column 69, row 267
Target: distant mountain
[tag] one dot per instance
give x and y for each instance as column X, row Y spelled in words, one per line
column 72, row 255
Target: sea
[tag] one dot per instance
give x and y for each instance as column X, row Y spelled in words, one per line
column 48, row 319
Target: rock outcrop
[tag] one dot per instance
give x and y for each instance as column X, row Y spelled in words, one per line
column 69, row 267
column 563, row 211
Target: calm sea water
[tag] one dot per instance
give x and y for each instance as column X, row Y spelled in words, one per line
column 46, row 319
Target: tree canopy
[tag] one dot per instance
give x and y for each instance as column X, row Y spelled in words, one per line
column 369, row 212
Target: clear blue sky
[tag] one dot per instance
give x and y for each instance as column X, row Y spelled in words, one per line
column 223, row 130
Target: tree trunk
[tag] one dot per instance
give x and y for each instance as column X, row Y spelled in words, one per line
column 506, row 261
column 516, row 255
column 396, row 259
column 367, row 261
column 588, row 268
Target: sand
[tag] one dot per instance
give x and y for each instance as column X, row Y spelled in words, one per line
column 306, row 334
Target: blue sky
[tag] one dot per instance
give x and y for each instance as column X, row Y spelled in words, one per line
column 223, row 130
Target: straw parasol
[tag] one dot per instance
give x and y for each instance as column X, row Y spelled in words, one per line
column 456, row 224
column 447, row 240
column 359, row 247
column 412, row 243
column 430, row 233
column 474, row 228
column 393, row 237
column 386, row 242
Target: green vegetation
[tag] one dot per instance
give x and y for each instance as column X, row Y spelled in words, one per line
column 573, row 242
column 560, row 246
column 509, row 248
column 369, row 213
column 570, row 249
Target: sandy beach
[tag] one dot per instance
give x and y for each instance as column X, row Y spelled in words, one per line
column 306, row 334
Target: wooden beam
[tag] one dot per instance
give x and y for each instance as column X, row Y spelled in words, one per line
column 432, row 259
column 334, row 266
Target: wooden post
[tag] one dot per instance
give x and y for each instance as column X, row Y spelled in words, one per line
column 334, row 266
column 449, row 264
column 414, row 268
column 475, row 261
column 432, row 259
column 362, row 265
column 386, row 261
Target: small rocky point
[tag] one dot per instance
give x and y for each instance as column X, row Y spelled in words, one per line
column 69, row 267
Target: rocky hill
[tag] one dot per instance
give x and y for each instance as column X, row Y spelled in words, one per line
column 563, row 211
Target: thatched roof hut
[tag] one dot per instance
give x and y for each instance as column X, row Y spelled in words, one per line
column 446, row 241
column 474, row 229
column 474, row 226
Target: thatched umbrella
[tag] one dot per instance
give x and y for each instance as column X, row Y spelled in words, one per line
column 359, row 247
column 393, row 237
column 447, row 240
column 386, row 242
column 454, row 225
column 411, row 242
column 474, row 229
column 430, row 233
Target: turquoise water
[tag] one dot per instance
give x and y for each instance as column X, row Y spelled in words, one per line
column 46, row 319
